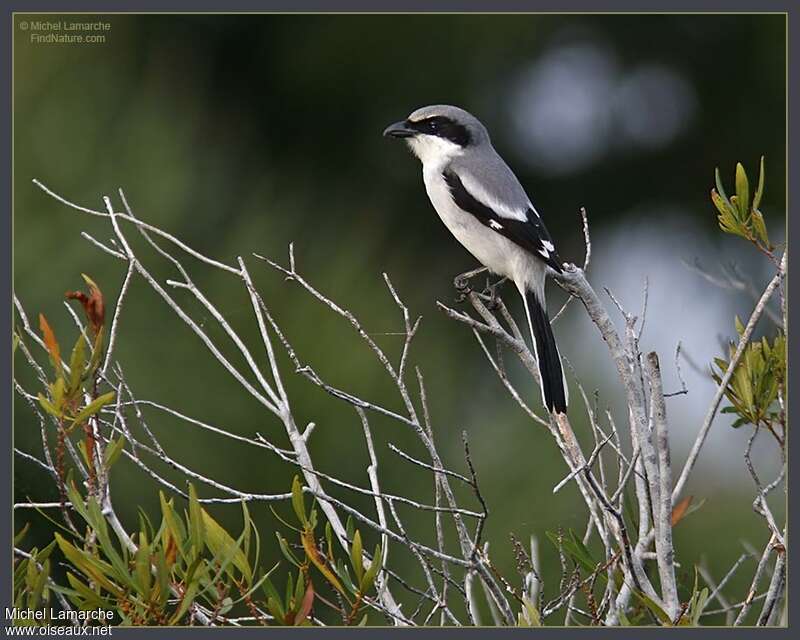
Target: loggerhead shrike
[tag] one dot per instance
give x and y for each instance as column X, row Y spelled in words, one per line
column 482, row 203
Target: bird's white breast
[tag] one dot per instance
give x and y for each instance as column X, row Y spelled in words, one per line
column 493, row 250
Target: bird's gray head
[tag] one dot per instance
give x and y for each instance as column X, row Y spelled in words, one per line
column 440, row 132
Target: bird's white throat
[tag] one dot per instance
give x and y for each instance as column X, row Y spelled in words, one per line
column 433, row 151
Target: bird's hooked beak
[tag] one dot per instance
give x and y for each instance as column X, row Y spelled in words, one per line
column 399, row 130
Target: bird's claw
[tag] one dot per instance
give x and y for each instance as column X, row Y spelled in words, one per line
column 490, row 291
column 463, row 289
column 461, row 283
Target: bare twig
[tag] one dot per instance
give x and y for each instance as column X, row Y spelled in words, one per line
column 712, row 410
column 587, row 241
column 751, row 595
column 662, row 507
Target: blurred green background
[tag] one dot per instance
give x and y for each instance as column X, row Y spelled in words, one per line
column 240, row 134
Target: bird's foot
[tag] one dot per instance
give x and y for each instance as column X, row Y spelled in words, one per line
column 461, row 282
column 491, row 292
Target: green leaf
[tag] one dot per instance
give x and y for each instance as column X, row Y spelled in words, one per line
column 113, row 452
column 372, row 571
column 287, row 552
column 186, row 602
column 76, row 363
column 98, row 522
column 719, row 203
column 289, row 596
column 14, row 343
column 576, row 550
column 329, row 540
column 344, row 575
column 297, row 501
column 93, row 568
column 22, row 533
column 257, row 584
column 93, row 407
column 84, row 453
column 227, row 605
column 720, row 189
column 532, row 619
column 196, row 522
column 246, row 531
column 91, row 600
column 282, row 521
column 742, row 191
column 659, row 613
column 760, row 228
column 31, row 571
column 744, row 385
column 273, row 600
column 57, row 393
column 699, row 605
column 276, row 609
column 729, row 224
column 582, row 552
column 299, row 588
column 143, row 576
column 738, row 324
column 222, row 544
column 356, row 557
column 174, row 524
column 48, row 407
column 162, row 577
column 760, row 187
column 97, row 350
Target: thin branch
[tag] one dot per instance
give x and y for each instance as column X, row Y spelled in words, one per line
column 712, row 410
column 586, row 259
column 751, row 595
column 662, row 507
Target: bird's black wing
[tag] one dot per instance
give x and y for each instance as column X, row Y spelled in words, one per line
column 530, row 234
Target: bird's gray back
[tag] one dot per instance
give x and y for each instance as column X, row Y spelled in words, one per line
column 485, row 166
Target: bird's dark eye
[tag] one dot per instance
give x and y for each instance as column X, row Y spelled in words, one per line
column 433, row 125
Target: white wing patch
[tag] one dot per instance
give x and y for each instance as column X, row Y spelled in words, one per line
column 545, row 253
column 481, row 195
column 494, row 224
column 548, row 245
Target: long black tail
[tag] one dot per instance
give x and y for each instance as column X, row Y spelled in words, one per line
column 553, row 386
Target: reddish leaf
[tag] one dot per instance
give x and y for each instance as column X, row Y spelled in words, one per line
column 93, row 304
column 305, row 607
column 320, row 562
column 171, row 553
column 51, row 343
column 680, row 510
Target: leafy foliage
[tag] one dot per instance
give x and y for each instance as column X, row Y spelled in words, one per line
column 758, row 376
column 739, row 215
column 351, row 589
column 189, row 569
column 72, row 398
column 31, row 578
column 189, row 566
